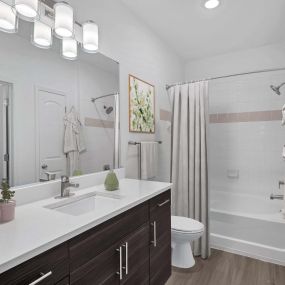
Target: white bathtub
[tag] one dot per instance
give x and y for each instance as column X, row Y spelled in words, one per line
column 249, row 225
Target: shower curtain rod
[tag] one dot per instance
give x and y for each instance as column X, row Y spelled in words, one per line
column 100, row 97
column 226, row 76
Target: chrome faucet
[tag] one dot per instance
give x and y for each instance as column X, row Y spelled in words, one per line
column 65, row 185
column 276, row 197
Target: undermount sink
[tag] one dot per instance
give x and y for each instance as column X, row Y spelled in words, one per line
column 91, row 202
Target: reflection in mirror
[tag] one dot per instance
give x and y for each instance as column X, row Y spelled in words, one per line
column 5, row 131
column 52, row 122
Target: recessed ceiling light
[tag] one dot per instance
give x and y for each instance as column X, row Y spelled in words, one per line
column 211, row 4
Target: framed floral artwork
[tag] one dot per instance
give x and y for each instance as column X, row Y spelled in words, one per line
column 141, row 106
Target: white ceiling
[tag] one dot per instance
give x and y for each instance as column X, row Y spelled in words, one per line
column 195, row 32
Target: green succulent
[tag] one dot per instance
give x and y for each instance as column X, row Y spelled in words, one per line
column 6, row 193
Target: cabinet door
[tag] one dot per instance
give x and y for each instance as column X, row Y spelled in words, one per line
column 160, row 233
column 127, row 262
column 136, row 257
column 103, row 269
column 45, row 269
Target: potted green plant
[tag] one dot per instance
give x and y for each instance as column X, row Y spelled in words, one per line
column 7, row 204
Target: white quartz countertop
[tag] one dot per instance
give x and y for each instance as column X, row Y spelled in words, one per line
column 37, row 229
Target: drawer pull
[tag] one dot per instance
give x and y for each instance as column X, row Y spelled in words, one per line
column 154, row 242
column 126, row 246
column 120, row 272
column 43, row 276
column 164, row 203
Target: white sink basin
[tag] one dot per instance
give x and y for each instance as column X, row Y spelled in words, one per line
column 91, row 202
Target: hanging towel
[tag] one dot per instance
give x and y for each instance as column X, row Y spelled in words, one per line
column 149, row 160
column 283, row 115
column 73, row 140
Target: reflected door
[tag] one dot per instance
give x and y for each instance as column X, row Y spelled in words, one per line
column 52, row 107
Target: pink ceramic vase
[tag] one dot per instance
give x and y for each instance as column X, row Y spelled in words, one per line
column 7, row 211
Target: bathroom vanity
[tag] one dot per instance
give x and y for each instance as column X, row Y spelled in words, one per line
column 128, row 243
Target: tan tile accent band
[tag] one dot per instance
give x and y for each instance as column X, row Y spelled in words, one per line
column 257, row 116
column 97, row 123
column 165, row 115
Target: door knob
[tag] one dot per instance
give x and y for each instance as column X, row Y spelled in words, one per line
column 44, row 166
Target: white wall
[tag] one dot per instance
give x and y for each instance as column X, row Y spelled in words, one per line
column 250, row 146
column 141, row 53
column 271, row 56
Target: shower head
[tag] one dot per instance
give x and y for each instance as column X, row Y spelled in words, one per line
column 108, row 110
column 276, row 89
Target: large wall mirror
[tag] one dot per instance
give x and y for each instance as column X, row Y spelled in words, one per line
column 46, row 99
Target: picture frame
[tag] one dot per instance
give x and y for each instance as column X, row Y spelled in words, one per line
column 141, row 106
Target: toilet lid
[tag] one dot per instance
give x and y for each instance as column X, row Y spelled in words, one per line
column 186, row 224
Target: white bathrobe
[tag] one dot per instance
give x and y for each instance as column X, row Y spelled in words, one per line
column 73, row 140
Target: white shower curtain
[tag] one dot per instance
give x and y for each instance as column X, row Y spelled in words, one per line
column 189, row 173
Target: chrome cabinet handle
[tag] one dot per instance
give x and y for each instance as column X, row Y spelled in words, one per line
column 43, row 276
column 154, row 242
column 126, row 246
column 164, row 203
column 120, row 272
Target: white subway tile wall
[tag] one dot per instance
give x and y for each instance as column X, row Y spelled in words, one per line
column 245, row 134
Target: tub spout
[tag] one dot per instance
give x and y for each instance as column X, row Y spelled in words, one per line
column 276, row 197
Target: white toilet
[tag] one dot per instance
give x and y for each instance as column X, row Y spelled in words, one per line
column 183, row 231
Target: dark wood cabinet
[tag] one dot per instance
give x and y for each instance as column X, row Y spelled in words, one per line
column 46, row 269
column 131, row 248
column 160, row 249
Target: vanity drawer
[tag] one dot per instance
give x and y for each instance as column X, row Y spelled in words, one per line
column 88, row 245
column 161, row 201
column 48, row 269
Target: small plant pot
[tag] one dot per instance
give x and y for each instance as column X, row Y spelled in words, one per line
column 7, row 211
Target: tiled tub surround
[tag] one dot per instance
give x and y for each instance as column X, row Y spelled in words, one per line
column 245, row 164
column 37, row 229
column 243, row 117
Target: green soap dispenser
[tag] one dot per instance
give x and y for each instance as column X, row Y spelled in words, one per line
column 111, row 182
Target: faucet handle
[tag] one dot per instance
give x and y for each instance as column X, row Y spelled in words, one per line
column 281, row 183
column 64, row 179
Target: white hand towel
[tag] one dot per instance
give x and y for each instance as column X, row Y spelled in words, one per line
column 283, row 115
column 149, row 160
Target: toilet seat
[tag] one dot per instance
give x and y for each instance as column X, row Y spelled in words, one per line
column 186, row 225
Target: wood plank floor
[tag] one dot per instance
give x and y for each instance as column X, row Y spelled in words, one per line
column 224, row 268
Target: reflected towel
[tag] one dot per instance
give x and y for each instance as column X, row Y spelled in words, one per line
column 149, row 160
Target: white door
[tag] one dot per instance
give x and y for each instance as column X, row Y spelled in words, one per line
column 52, row 107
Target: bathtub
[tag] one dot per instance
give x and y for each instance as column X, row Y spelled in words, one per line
column 248, row 225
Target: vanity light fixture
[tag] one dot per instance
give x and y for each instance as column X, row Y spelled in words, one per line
column 90, row 37
column 49, row 16
column 8, row 19
column 28, row 9
column 69, row 48
column 211, row 4
column 64, row 20
column 42, row 36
